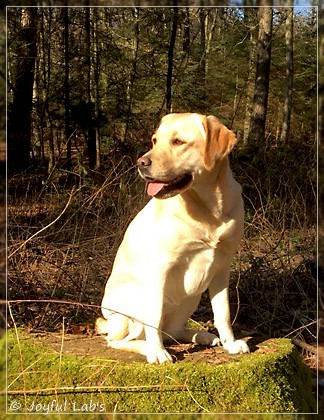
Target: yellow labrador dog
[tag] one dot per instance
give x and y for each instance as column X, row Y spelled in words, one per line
column 179, row 245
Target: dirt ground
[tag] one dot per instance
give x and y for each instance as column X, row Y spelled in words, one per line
column 95, row 345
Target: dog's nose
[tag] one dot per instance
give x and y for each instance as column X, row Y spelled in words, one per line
column 144, row 161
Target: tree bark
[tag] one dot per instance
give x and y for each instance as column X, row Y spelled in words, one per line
column 19, row 123
column 133, row 71
column 186, row 31
column 256, row 135
column 51, row 162
column 170, row 60
column 251, row 22
column 45, row 59
column 67, row 89
column 202, row 62
column 96, row 76
column 289, row 73
column 91, row 134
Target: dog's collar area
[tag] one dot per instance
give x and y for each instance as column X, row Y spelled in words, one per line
column 165, row 189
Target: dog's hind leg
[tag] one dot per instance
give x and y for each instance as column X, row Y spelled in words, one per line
column 101, row 326
column 135, row 330
column 115, row 326
column 176, row 328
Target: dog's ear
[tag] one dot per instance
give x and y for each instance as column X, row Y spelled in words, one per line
column 219, row 141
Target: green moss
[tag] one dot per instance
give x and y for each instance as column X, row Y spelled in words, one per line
column 274, row 381
column 2, row 371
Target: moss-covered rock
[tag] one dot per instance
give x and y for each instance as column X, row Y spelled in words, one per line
column 43, row 380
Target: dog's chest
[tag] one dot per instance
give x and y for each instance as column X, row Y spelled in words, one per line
column 200, row 271
column 191, row 274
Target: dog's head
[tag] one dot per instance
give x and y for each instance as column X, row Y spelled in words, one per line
column 184, row 146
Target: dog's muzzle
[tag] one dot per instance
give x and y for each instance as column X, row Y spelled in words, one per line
column 162, row 188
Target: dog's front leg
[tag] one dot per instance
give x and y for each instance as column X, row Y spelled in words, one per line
column 153, row 304
column 155, row 350
column 218, row 292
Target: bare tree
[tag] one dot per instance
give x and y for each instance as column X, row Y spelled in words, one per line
column 67, row 88
column 262, row 76
column 289, row 72
column 96, row 77
column 202, row 63
column 186, row 31
column 43, row 89
column 133, row 70
column 91, row 135
column 170, row 59
column 250, row 20
column 19, row 127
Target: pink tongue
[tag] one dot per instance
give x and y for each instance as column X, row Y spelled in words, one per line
column 154, row 187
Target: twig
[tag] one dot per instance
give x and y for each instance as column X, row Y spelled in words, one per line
column 61, row 352
column 190, row 393
column 301, row 328
column 44, row 228
column 304, row 345
column 19, row 347
column 25, row 370
column 94, row 388
column 66, row 302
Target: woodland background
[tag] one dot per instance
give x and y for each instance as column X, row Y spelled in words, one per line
column 87, row 86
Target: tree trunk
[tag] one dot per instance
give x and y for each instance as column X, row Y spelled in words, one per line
column 251, row 22
column 96, row 72
column 186, row 31
column 132, row 74
column 170, row 60
column 202, row 62
column 289, row 73
column 260, row 99
column 19, row 124
column 211, row 21
column 321, row 87
column 67, row 89
column 46, row 61
column 91, row 134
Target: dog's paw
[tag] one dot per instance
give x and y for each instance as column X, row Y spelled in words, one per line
column 158, row 356
column 206, row 339
column 237, row 346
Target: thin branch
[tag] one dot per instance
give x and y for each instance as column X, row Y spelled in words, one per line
column 19, row 347
column 304, row 345
column 44, row 228
column 94, row 388
column 66, row 302
column 301, row 328
column 190, row 393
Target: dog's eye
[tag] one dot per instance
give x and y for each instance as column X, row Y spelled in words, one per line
column 154, row 141
column 177, row 142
